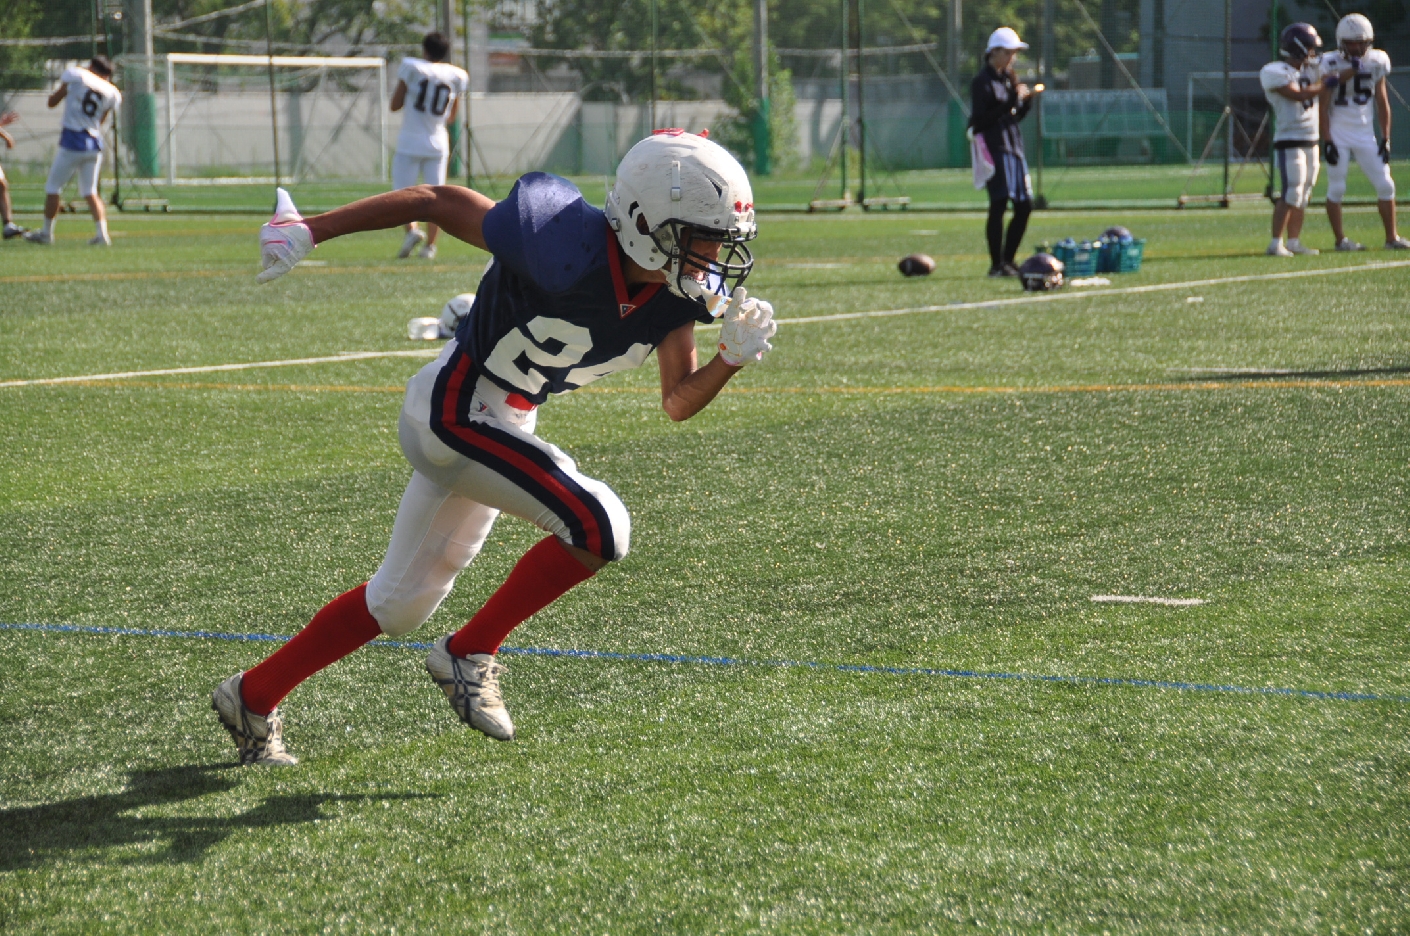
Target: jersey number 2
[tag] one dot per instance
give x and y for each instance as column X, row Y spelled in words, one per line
column 440, row 97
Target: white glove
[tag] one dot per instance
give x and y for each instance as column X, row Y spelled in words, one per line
column 745, row 329
column 284, row 241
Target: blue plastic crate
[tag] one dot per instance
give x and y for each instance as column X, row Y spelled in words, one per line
column 1079, row 258
column 1132, row 253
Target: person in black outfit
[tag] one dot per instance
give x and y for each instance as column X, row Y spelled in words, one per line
column 999, row 103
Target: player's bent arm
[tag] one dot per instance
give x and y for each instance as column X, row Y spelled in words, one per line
column 1293, row 93
column 460, row 212
column 686, row 389
column 9, row 140
column 1383, row 108
column 57, row 98
column 398, row 96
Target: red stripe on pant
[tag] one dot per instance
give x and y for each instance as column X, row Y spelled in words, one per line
column 470, row 436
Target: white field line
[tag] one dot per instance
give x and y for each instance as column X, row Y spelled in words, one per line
column 1139, row 599
column 211, row 368
column 1095, row 294
column 956, row 307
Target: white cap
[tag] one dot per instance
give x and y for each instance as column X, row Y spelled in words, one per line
column 1004, row 38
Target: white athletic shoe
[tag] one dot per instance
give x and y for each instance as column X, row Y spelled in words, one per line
column 1297, row 247
column 1399, row 243
column 1347, row 243
column 1276, row 249
column 260, row 739
column 472, row 687
column 100, row 240
column 428, row 252
column 284, row 241
column 13, row 230
column 413, row 237
column 38, row 237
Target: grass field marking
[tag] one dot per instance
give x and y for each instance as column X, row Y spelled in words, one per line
column 682, row 659
column 242, row 271
column 1095, row 294
column 212, row 368
column 1141, row 599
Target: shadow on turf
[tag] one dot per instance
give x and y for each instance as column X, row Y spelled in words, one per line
column 1271, row 374
column 35, row 834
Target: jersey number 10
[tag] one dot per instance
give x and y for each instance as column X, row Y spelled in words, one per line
column 440, row 98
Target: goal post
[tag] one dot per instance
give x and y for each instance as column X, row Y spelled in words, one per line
column 324, row 119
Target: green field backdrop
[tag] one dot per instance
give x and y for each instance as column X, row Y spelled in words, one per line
column 851, row 678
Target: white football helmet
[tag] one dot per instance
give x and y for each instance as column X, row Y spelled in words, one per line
column 1355, row 28
column 453, row 312
column 675, row 191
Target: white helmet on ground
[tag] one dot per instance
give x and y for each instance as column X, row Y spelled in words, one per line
column 672, row 182
column 1354, row 28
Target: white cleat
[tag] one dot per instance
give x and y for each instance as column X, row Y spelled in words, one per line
column 38, row 237
column 259, row 738
column 13, row 230
column 1297, row 247
column 1399, row 243
column 1278, row 250
column 413, row 237
column 428, row 252
column 284, row 241
column 471, row 685
column 100, row 240
column 1347, row 243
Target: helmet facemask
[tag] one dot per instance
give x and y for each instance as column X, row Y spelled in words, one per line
column 708, row 276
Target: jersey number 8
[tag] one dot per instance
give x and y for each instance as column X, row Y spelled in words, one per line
column 1363, row 93
column 440, row 98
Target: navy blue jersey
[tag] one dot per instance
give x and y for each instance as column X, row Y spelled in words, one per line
column 553, row 312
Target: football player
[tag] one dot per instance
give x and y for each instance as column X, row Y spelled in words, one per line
column 1292, row 87
column 11, row 229
column 423, row 148
column 1349, row 129
column 573, row 293
column 90, row 98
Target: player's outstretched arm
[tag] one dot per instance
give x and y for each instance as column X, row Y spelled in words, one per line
column 746, row 327
column 289, row 237
column 460, row 212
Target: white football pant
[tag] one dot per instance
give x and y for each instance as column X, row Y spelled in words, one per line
column 452, row 502
column 405, row 169
column 1369, row 159
column 68, row 162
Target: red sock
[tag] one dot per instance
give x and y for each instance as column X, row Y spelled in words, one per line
column 544, row 574
column 341, row 627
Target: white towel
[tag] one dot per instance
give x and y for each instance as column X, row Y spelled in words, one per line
column 980, row 157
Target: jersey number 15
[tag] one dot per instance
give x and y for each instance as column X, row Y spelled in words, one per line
column 1363, row 93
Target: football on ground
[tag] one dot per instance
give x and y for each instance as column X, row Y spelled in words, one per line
column 916, row 264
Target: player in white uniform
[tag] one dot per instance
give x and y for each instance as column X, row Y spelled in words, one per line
column 88, row 98
column 430, row 89
column 11, row 229
column 1349, row 128
column 1292, row 87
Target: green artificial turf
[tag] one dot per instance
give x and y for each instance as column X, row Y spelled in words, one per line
column 915, row 510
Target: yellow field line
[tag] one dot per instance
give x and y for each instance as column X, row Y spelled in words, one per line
column 1309, row 384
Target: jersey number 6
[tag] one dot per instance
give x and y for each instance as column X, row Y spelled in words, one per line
column 91, row 102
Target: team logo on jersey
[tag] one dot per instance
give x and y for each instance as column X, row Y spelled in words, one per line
column 626, row 309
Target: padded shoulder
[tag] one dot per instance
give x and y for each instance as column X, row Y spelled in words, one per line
column 545, row 231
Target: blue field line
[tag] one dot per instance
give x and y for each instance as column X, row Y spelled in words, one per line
column 731, row 661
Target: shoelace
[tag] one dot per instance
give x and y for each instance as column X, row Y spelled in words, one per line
column 487, row 683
